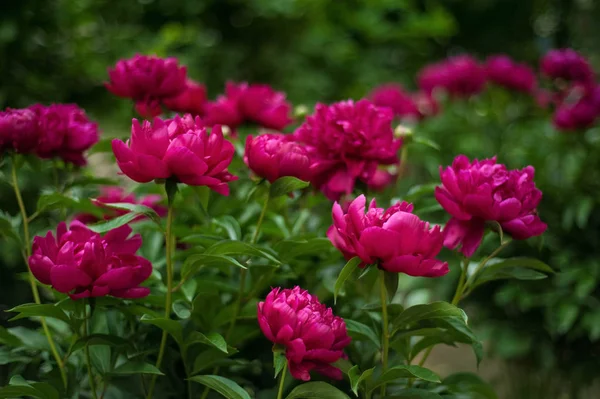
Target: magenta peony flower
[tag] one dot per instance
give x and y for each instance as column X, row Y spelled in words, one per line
column 110, row 195
column 147, row 79
column 192, row 100
column 394, row 97
column 18, row 130
column 394, row 239
column 64, row 131
column 164, row 149
column 579, row 108
column 503, row 71
column 479, row 191
column 312, row 336
column 380, row 180
column 347, row 141
column 255, row 103
column 85, row 264
column 567, row 64
column 272, row 156
column 460, row 76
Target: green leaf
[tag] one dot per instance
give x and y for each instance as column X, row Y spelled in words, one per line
column 433, row 310
column 99, row 339
column 415, row 393
column 136, row 368
column 356, row 377
column 212, row 339
column 7, row 229
column 194, row 263
column 231, row 226
column 114, row 223
column 9, row 339
column 39, row 310
column 61, row 201
column 405, row 371
column 361, row 331
column 469, row 383
column 182, row 309
column 291, row 249
column 230, row 247
column 391, row 284
column 209, row 357
column 316, row 390
column 279, row 361
column 83, row 181
column 203, row 194
column 344, row 274
column 19, row 387
column 7, row 357
column 136, row 209
column 419, row 191
column 517, row 268
column 224, row 386
column 170, row 326
column 285, row 185
column 426, row 142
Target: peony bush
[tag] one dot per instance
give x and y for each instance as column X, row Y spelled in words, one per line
column 234, row 253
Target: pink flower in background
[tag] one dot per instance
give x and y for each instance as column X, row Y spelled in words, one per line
column 394, row 239
column 347, row 141
column 503, row 71
column 256, row 103
column 196, row 157
column 64, row 131
column 394, row 97
column 272, row 156
column 85, row 264
column 18, row 130
column 192, row 100
column 109, row 195
column 380, row 180
column 312, row 336
column 479, row 191
column 578, row 108
column 567, row 64
column 460, row 76
column 148, row 108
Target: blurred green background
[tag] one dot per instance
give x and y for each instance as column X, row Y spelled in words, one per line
column 547, row 333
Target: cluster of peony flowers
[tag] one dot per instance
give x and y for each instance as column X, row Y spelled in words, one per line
column 394, row 239
column 109, row 195
column 57, row 130
column 477, row 192
column 460, row 76
column 83, row 264
column 312, row 337
column 404, row 105
column 182, row 149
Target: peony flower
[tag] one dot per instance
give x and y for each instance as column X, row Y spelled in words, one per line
column 394, row 239
column 460, row 76
column 479, row 191
column 380, row 180
column 567, row 64
column 18, row 130
column 272, row 156
column 255, row 103
column 394, row 97
column 109, row 195
column 347, row 141
column 158, row 151
column 192, row 100
column 579, row 108
column 144, row 78
column 85, row 264
column 64, row 131
column 503, row 71
column 312, row 336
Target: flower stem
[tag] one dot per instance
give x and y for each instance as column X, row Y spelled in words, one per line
column 385, row 338
column 461, row 282
column 403, row 159
column 468, row 285
column 32, row 283
column 281, row 381
column 240, row 299
column 169, row 241
column 88, row 361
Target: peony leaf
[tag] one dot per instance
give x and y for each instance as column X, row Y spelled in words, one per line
column 361, row 331
column 171, row 326
column 285, row 185
column 39, row 310
column 316, row 390
column 7, row 229
column 416, row 393
column 212, row 339
column 99, row 339
column 60, row 201
column 136, row 368
column 232, row 247
column 517, row 268
column 279, row 361
column 391, row 284
column 224, row 386
column 433, row 310
column 356, row 377
column 344, row 274
column 405, row 371
column 196, row 262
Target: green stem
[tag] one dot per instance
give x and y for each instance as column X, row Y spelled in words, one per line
column 242, row 286
column 32, row 283
column 461, row 282
column 385, row 338
column 169, row 240
column 467, row 287
column 403, row 159
column 281, row 381
column 88, row 361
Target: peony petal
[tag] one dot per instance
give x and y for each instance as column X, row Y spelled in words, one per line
column 66, row 278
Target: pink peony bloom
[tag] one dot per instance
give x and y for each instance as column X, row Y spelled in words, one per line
column 195, row 157
column 145, row 78
column 85, row 264
column 255, row 103
column 347, row 141
column 18, row 130
column 272, row 156
column 192, row 100
column 394, row 239
column 503, row 71
column 579, row 108
column 460, row 76
column 110, row 195
column 394, row 97
column 64, row 131
column 567, row 64
column 479, row 191
column 312, row 336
